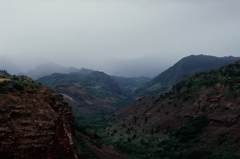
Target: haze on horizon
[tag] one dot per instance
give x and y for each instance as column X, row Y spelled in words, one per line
column 119, row 37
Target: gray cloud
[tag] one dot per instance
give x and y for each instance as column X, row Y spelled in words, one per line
column 101, row 34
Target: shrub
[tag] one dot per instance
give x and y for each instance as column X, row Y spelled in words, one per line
column 17, row 86
column 190, row 129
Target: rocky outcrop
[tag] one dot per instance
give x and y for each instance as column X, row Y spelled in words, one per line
column 34, row 123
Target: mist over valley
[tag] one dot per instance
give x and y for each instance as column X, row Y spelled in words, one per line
column 118, row 79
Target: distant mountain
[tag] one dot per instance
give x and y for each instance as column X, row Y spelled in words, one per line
column 129, row 85
column 98, row 84
column 50, row 68
column 81, row 101
column 184, row 68
column 198, row 118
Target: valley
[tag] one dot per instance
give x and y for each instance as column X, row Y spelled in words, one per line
column 119, row 79
column 191, row 110
column 197, row 116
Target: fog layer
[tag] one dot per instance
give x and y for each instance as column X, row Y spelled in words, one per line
column 126, row 37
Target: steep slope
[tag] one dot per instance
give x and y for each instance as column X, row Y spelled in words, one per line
column 129, row 85
column 198, row 117
column 81, row 101
column 35, row 122
column 183, row 69
column 98, row 84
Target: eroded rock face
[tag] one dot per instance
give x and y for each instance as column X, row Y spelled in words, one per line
column 35, row 123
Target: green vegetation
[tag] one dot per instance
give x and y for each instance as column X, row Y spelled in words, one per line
column 158, row 146
column 88, row 125
column 190, row 129
column 153, row 146
column 18, row 84
column 92, row 123
column 82, row 149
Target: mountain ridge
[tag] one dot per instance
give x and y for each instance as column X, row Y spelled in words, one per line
column 50, row 68
column 182, row 69
column 98, row 84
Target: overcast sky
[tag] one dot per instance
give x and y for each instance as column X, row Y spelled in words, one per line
column 122, row 37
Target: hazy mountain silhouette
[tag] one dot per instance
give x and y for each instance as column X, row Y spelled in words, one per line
column 50, row 68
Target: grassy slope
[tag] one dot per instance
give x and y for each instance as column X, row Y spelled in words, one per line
column 4, row 79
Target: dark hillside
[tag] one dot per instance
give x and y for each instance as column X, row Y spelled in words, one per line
column 200, row 115
column 98, row 84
